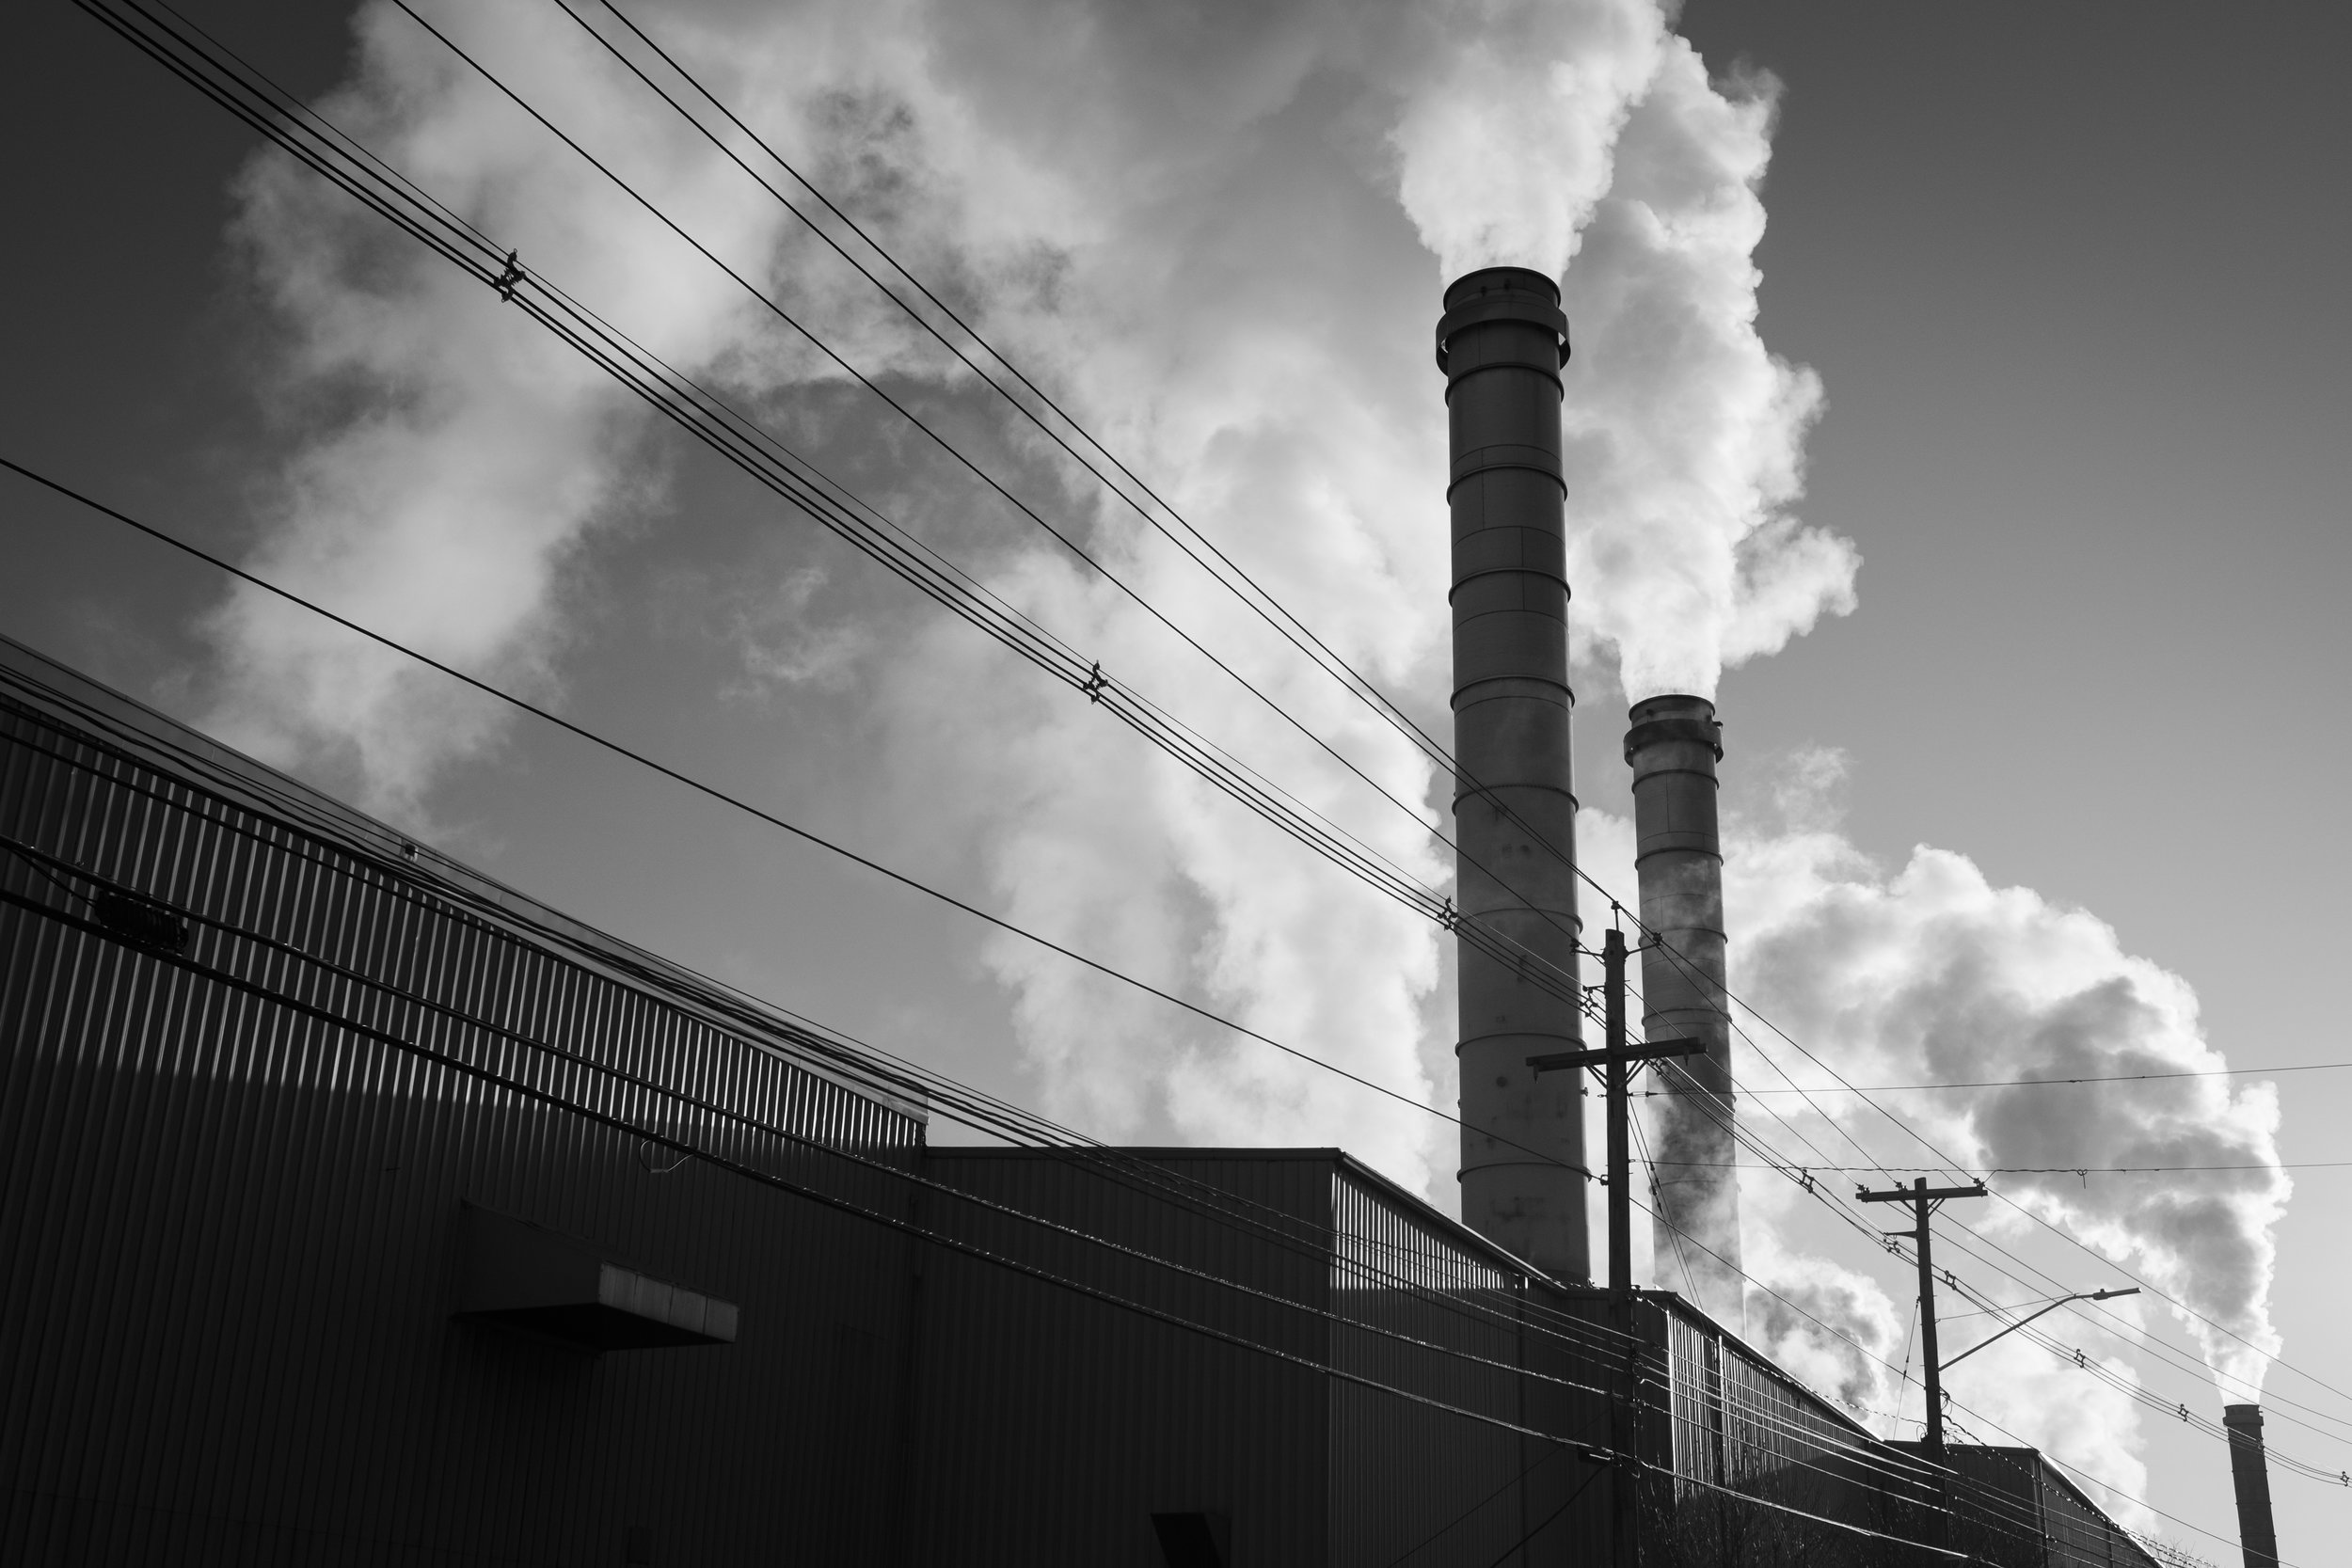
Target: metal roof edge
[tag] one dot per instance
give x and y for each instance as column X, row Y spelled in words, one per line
column 1421, row 1209
column 270, row 791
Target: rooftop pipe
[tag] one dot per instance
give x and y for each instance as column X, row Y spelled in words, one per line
column 1501, row 344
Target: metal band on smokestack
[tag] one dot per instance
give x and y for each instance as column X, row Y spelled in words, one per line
column 1673, row 747
column 1501, row 344
column 2257, row 1537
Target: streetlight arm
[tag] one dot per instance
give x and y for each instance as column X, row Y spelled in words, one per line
column 2080, row 1295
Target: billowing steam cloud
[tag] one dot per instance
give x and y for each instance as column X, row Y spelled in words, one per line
column 1210, row 231
column 1928, row 974
column 1243, row 173
column 1604, row 149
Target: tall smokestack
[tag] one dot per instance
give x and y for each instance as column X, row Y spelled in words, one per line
column 1673, row 746
column 1501, row 344
column 2256, row 1536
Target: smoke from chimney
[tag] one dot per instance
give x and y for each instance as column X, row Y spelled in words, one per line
column 1501, row 344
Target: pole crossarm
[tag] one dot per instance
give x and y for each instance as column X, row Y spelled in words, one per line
column 2079, row 1295
column 1913, row 1194
column 1656, row 1051
column 1923, row 1199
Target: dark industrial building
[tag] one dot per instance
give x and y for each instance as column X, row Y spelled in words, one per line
column 359, row 1209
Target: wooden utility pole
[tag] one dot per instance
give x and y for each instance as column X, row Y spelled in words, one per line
column 1923, row 1199
column 1617, row 1061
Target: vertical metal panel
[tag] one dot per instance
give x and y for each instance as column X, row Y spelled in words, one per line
column 1419, row 1483
column 2014, row 1510
column 225, row 1330
column 1052, row 1425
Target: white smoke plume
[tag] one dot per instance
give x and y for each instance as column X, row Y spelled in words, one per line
column 1928, row 974
column 1208, row 231
column 1198, row 227
column 1600, row 147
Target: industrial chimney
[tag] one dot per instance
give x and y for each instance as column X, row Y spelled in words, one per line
column 1501, row 344
column 1673, row 746
column 2256, row 1535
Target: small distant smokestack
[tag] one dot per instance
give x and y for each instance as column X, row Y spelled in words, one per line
column 2256, row 1536
column 1501, row 344
column 1673, row 746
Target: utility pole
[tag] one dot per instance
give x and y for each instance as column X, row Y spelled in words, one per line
column 1923, row 1199
column 1617, row 1062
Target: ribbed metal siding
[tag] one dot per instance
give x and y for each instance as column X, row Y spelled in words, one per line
column 1409, row 1478
column 2014, row 1510
column 225, row 1332
column 1054, row 1424
column 1739, row 1428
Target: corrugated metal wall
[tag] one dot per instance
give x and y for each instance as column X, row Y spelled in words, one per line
column 1763, row 1471
column 2012, row 1509
column 225, row 1330
column 1053, row 1426
column 231, row 1171
column 1417, row 1485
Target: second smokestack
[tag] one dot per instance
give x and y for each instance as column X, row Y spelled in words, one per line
column 1673, row 745
column 2249, row 1469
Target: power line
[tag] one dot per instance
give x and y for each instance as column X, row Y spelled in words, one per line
column 1388, row 709
column 802, row 833
column 753, row 450
column 747, row 445
column 1264, row 603
column 1672, row 952
column 2046, row 1170
column 400, row 878
column 1748, row 1140
column 339, row 972
column 1061, row 536
column 738, row 803
column 2044, row 1083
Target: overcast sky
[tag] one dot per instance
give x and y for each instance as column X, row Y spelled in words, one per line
column 2069, row 278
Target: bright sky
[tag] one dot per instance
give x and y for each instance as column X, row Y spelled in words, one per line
column 2068, row 279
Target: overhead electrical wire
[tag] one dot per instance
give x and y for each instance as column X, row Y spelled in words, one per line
column 2115, row 1322
column 511, row 279
column 2058, row 1170
column 661, row 384
column 2052, row 1083
column 738, row 803
column 531, row 1091
column 658, row 1137
column 1904, row 1374
column 54, row 868
column 485, row 275
column 566, row 724
column 332, row 153
column 443, row 899
column 2202, row 1370
column 1263, row 603
column 1747, row 1139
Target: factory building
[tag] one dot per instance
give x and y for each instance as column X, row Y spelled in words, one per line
column 362, row 1208
column 359, row 1208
